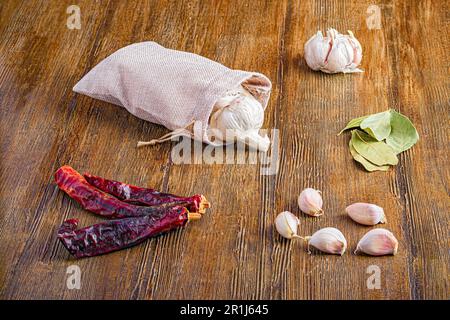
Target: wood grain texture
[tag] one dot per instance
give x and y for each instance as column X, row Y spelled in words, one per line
column 234, row 251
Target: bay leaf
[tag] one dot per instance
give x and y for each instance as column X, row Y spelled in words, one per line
column 354, row 123
column 369, row 166
column 403, row 133
column 377, row 152
column 378, row 125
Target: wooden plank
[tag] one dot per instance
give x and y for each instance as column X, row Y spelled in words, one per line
column 419, row 88
column 234, row 251
column 316, row 106
column 229, row 246
column 86, row 133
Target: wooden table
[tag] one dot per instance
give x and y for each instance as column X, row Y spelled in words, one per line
column 234, row 251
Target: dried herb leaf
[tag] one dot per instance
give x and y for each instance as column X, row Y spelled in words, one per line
column 377, row 152
column 354, row 123
column 369, row 166
column 378, row 138
column 378, row 125
column 403, row 133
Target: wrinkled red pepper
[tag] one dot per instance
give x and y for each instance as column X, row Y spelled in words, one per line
column 96, row 201
column 134, row 225
column 119, row 234
column 146, row 196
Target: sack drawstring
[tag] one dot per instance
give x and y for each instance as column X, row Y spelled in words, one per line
column 168, row 136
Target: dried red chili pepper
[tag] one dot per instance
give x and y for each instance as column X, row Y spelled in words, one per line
column 146, row 196
column 99, row 202
column 119, row 234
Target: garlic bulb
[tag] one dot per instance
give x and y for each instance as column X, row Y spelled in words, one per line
column 310, row 202
column 366, row 213
column 286, row 224
column 329, row 240
column 378, row 242
column 238, row 115
column 334, row 53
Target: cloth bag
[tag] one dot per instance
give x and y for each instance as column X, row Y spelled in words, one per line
column 168, row 87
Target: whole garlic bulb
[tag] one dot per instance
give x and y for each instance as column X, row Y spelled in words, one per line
column 238, row 115
column 366, row 213
column 334, row 53
column 329, row 240
column 287, row 224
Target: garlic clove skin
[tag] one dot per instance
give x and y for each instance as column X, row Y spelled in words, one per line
column 254, row 140
column 334, row 53
column 228, row 98
column 366, row 213
column 357, row 51
column 378, row 242
column 287, row 224
column 310, row 202
column 328, row 240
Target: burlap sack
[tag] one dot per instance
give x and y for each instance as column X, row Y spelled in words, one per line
column 169, row 87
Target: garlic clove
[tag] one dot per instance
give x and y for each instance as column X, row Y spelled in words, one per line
column 366, row 213
column 329, row 240
column 310, row 202
column 287, row 224
column 338, row 56
column 357, row 50
column 378, row 242
column 316, row 51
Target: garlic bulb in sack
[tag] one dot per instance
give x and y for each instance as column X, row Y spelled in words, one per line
column 334, row 53
column 238, row 115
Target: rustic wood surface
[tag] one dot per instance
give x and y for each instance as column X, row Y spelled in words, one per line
column 234, row 251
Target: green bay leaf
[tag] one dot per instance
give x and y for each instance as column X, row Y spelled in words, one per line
column 378, row 125
column 379, row 153
column 354, row 123
column 403, row 133
column 369, row 166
